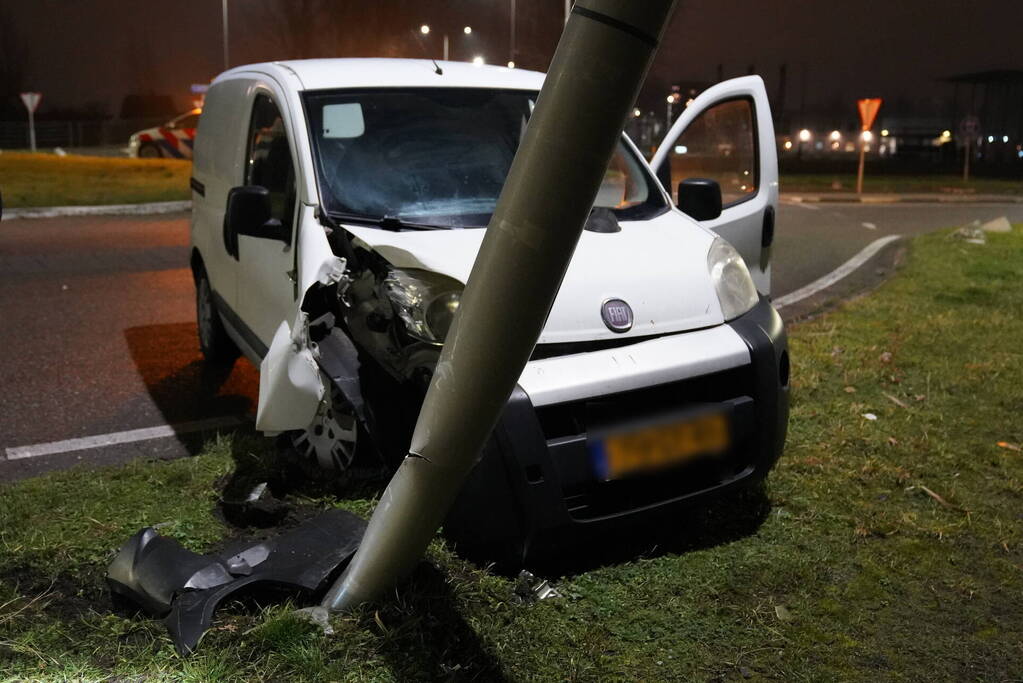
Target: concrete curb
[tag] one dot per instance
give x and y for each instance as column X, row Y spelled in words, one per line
column 842, row 198
column 149, row 209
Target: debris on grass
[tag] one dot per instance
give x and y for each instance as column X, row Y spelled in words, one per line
column 972, row 234
column 782, row 613
column 530, row 588
column 894, row 399
column 850, row 390
column 317, row 616
column 1000, row 224
column 869, row 416
column 941, row 501
column 1009, row 446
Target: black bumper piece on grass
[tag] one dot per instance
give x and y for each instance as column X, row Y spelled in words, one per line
column 534, row 487
column 185, row 588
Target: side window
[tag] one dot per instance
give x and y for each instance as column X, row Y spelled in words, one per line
column 719, row 144
column 268, row 159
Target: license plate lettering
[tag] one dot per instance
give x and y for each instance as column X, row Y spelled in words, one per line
column 653, row 448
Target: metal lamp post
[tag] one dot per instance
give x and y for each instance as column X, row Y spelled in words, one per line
column 602, row 57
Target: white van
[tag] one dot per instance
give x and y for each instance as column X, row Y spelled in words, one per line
column 338, row 208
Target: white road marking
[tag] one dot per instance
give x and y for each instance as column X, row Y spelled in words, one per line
column 798, row 201
column 869, row 226
column 837, row 274
column 151, row 208
column 130, row 436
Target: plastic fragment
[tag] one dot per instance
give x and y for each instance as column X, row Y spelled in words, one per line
column 532, row 589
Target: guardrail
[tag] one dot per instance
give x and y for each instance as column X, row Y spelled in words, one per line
column 71, row 134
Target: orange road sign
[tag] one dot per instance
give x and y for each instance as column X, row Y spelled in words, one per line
column 868, row 111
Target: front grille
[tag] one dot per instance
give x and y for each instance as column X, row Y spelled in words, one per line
column 572, row 419
column 565, row 428
column 541, row 351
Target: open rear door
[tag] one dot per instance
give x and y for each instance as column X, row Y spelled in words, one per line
column 726, row 134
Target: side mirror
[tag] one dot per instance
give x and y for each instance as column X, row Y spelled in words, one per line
column 248, row 213
column 700, row 198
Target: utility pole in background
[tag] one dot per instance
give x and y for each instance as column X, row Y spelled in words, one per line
column 226, row 56
column 511, row 39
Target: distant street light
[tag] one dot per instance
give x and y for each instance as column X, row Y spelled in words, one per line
column 511, row 65
column 478, row 60
column 884, row 133
column 835, row 136
column 867, row 136
column 805, row 135
column 637, row 113
column 425, row 30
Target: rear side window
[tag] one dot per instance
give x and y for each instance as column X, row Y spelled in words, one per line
column 268, row 158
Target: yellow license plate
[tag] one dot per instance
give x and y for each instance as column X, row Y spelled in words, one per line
column 654, row 448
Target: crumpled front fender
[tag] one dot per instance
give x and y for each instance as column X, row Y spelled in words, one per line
column 290, row 383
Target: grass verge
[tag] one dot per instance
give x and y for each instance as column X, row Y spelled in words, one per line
column 48, row 180
column 894, row 184
column 885, row 549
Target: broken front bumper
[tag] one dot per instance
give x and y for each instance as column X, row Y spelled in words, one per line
column 534, row 483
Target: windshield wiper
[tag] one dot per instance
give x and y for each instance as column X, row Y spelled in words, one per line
column 386, row 222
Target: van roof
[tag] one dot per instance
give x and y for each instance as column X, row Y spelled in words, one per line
column 327, row 74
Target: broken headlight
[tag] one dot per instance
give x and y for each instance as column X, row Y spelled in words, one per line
column 732, row 282
column 426, row 302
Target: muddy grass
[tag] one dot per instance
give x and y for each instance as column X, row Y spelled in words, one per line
column 887, row 545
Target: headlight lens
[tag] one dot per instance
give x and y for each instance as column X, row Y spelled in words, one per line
column 426, row 302
column 732, row 282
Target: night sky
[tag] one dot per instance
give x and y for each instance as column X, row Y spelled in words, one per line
column 94, row 52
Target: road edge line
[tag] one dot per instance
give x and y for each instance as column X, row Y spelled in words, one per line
column 146, row 209
column 114, row 438
column 837, row 274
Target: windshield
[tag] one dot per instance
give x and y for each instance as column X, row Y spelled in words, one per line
column 439, row 156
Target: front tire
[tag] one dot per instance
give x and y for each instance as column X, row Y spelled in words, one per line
column 329, row 446
column 216, row 346
column 149, row 151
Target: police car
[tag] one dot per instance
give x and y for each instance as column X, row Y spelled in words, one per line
column 173, row 139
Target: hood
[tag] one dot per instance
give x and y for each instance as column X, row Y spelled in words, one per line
column 657, row 266
column 152, row 132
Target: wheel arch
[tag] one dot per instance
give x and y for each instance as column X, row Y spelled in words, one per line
column 197, row 264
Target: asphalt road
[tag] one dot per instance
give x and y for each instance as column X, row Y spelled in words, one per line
column 98, row 332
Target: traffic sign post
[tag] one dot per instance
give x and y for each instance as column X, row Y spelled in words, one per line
column 868, row 112
column 31, row 102
column 969, row 128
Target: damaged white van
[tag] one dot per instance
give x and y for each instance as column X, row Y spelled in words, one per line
column 338, row 208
